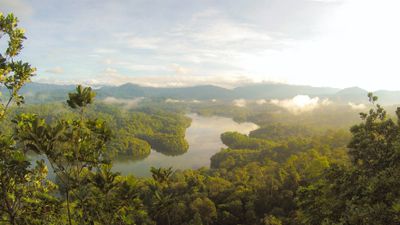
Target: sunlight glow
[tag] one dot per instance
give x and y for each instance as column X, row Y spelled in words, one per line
column 356, row 45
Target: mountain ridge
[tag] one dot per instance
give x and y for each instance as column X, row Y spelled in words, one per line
column 42, row 92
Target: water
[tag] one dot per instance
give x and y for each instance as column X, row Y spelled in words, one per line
column 203, row 137
column 204, row 141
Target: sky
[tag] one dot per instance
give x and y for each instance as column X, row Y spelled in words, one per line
column 335, row 43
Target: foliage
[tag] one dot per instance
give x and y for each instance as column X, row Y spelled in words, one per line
column 25, row 193
column 281, row 174
column 367, row 191
column 237, row 140
column 13, row 73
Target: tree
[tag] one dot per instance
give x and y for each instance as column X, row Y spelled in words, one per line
column 271, row 220
column 14, row 74
column 24, row 191
column 205, row 208
column 73, row 147
column 366, row 192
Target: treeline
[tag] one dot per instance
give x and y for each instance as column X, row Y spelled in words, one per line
column 264, row 113
column 135, row 132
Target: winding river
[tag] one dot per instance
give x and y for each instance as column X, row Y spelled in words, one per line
column 204, row 141
column 203, row 137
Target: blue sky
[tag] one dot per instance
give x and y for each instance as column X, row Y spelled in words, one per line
column 337, row 43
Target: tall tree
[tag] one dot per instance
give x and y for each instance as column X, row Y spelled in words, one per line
column 366, row 192
column 74, row 148
column 24, row 191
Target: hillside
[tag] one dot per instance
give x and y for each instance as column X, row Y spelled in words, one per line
column 40, row 92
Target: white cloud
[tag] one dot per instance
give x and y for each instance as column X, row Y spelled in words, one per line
column 136, row 42
column 180, row 69
column 357, row 106
column 299, row 103
column 170, row 100
column 20, row 8
column 206, row 44
column 261, row 101
column 135, row 66
column 144, row 43
column 111, row 76
column 224, row 32
column 142, row 67
column 55, row 70
column 104, row 50
column 211, row 35
column 110, row 71
column 239, row 102
column 107, row 61
column 326, row 102
column 126, row 103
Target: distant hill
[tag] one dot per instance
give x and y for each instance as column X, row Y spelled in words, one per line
column 388, row 97
column 280, row 91
column 40, row 92
column 352, row 94
column 195, row 92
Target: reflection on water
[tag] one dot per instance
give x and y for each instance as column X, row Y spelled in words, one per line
column 204, row 141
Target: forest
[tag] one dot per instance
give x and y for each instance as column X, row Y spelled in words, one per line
column 134, row 132
column 313, row 171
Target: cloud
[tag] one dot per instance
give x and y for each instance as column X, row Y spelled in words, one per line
column 19, row 7
column 143, row 43
column 300, row 103
column 261, row 102
column 111, row 76
column 219, row 32
column 326, row 102
column 239, row 102
column 170, row 100
column 144, row 67
column 104, row 50
column 180, row 69
column 126, row 103
column 107, row 61
column 55, row 70
column 237, row 39
column 357, row 106
column 133, row 66
column 207, row 44
column 132, row 40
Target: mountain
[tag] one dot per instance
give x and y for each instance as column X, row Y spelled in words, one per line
column 280, row 91
column 352, row 94
column 196, row 92
column 256, row 91
column 388, row 97
column 39, row 92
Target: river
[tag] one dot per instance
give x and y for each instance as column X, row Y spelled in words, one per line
column 203, row 137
